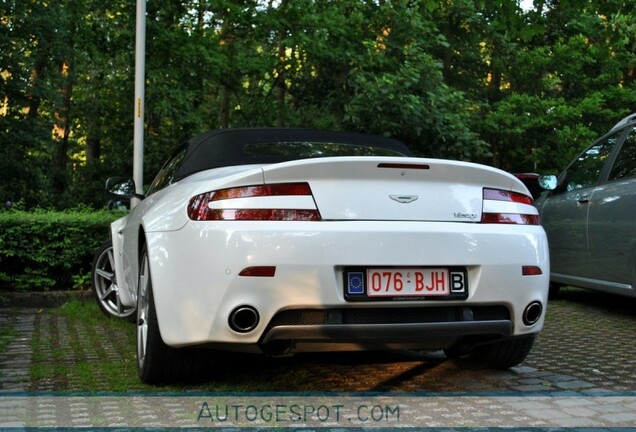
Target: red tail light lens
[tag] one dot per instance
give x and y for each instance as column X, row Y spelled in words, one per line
column 200, row 208
column 261, row 191
column 506, row 217
column 259, row 214
column 510, row 218
column 501, row 195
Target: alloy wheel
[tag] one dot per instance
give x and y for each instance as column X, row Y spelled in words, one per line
column 143, row 307
column 105, row 284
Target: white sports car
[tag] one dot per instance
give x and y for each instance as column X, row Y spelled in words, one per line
column 286, row 240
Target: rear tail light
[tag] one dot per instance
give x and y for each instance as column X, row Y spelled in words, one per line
column 285, row 201
column 509, row 218
column 501, row 195
column 519, row 211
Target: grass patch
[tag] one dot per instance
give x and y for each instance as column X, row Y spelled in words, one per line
column 86, row 311
column 77, row 348
column 7, row 334
column 90, row 377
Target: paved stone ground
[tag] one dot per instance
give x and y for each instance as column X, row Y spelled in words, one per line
column 590, row 336
column 586, row 348
column 15, row 363
column 586, row 344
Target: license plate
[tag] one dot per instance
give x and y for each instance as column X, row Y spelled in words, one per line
column 424, row 282
column 399, row 283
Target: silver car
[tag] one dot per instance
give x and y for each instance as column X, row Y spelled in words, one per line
column 589, row 215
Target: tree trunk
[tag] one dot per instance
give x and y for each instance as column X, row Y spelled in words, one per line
column 224, row 115
column 280, row 88
column 62, row 122
column 93, row 123
column 36, row 76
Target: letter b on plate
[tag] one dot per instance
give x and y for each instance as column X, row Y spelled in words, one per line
column 457, row 282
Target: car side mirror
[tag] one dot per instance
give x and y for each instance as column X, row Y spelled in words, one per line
column 548, row 182
column 123, row 187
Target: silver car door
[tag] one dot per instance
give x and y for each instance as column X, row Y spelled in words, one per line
column 565, row 212
column 612, row 224
column 564, row 218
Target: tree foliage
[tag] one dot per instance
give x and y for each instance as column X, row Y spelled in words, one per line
column 480, row 80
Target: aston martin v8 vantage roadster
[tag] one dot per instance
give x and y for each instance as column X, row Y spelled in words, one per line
column 278, row 241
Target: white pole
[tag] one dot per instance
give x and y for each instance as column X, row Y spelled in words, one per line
column 140, row 66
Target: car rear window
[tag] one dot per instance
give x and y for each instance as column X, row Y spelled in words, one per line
column 229, row 147
column 307, row 150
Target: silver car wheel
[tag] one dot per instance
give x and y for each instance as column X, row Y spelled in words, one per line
column 143, row 307
column 105, row 284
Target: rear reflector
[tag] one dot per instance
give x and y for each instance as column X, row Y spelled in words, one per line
column 263, row 271
column 200, row 207
column 531, row 271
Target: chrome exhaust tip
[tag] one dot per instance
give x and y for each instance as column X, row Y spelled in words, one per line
column 532, row 313
column 244, row 319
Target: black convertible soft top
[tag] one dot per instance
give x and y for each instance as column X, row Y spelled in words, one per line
column 229, row 147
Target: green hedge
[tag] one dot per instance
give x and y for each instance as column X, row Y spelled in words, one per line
column 50, row 250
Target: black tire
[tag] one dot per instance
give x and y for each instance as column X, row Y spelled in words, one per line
column 498, row 355
column 157, row 362
column 553, row 291
column 104, row 284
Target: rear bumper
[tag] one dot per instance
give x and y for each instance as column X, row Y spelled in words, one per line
column 375, row 336
column 197, row 291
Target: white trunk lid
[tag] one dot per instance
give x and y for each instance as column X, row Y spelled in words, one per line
column 381, row 188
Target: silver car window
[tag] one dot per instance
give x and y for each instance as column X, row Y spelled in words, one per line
column 625, row 164
column 585, row 170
